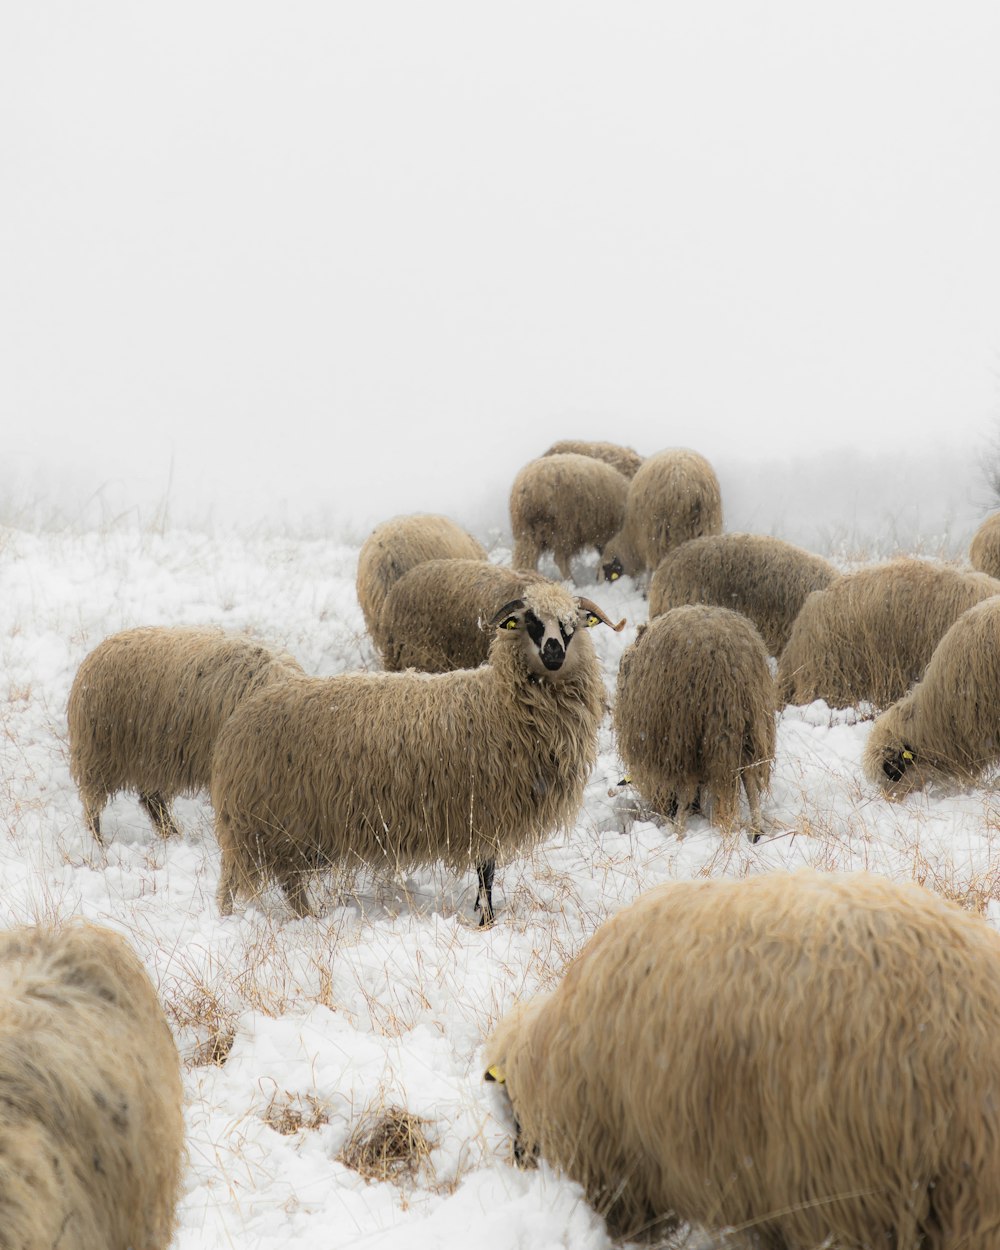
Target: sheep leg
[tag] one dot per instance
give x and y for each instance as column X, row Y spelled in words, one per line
column 158, row 810
column 293, row 886
column 563, row 565
column 228, row 884
column 484, row 899
column 93, row 805
column 752, row 787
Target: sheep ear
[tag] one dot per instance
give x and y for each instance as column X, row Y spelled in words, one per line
column 495, row 1073
column 507, row 617
column 594, row 616
column 896, row 763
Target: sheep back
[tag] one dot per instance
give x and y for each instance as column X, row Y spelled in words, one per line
column 695, row 711
column 146, row 705
column 398, row 545
column 624, row 459
column 91, row 1123
column 984, row 550
column 435, row 618
column 946, row 726
column 764, row 578
column 565, row 504
column 403, row 769
column 674, row 497
column 869, row 634
column 810, row 1055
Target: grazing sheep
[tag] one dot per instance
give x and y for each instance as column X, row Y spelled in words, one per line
column 984, row 551
column 624, row 459
column 948, row 726
column 435, row 618
column 695, row 712
column 765, row 578
column 413, row 768
column 91, row 1122
column 673, row 498
column 812, row 1058
column 564, row 504
column 395, row 547
column 145, row 707
column 869, row 635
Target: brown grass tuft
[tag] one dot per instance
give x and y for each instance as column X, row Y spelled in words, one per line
column 392, row 1147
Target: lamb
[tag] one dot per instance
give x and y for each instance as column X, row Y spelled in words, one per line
column 765, row 578
column 984, row 550
column 945, row 728
column 91, row 1121
column 565, row 504
column 395, row 547
column 809, row 1056
column 412, row 768
column 624, row 459
column 674, row 497
column 695, row 712
column 869, row 635
column 145, row 707
column 434, row 618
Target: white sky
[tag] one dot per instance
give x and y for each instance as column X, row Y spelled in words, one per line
column 379, row 254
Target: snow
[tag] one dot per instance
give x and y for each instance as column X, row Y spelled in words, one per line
column 384, row 999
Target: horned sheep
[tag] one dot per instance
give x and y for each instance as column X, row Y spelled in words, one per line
column 765, row 578
column 984, row 550
column 436, row 617
column 869, row 635
column 624, row 459
column 91, row 1120
column 403, row 769
column 946, row 727
column 674, row 497
column 398, row 545
column 145, row 707
column 694, row 714
column 565, row 504
column 812, row 1057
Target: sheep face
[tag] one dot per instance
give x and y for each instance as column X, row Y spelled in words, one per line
column 546, row 623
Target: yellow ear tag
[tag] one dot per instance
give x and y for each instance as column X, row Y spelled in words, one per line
column 614, row 577
column 510, row 623
column 908, row 755
column 593, row 620
column 494, row 1074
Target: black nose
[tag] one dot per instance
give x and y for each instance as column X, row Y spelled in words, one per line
column 553, row 654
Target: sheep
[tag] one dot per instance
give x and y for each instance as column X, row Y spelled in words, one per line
column 413, row 768
column 564, row 504
column 434, row 618
column 91, row 1120
column 395, row 547
column 868, row 636
column 624, row 459
column 984, row 550
column 145, row 707
column 695, row 711
column 765, row 578
column 812, row 1058
column 946, row 727
column 673, row 497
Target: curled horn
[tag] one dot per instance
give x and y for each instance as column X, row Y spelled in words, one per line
column 588, row 605
column 515, row 605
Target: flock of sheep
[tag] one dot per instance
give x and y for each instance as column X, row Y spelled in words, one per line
column 811, row 1056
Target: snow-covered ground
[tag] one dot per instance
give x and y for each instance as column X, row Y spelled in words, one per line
column 297, row 1034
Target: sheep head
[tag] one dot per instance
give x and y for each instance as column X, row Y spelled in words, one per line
column 546, row 621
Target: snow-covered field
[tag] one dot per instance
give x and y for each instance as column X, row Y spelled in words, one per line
column 296, row 1035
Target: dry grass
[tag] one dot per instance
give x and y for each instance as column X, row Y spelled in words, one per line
column 389, row 1146
column 290, row 1113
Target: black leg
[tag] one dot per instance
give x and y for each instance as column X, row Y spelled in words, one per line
column 484, row 899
